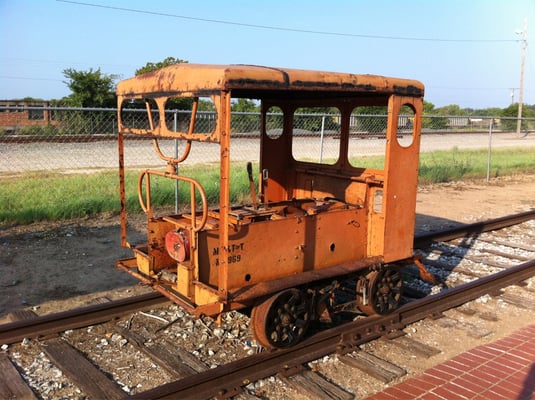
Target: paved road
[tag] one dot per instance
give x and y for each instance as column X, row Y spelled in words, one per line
column 76, row 157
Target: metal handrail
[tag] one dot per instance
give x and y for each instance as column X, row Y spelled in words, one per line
column 194, row 184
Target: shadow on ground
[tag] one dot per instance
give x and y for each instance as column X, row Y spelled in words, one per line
column 61, row 262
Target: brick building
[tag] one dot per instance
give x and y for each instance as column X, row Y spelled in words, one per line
column 17, row 114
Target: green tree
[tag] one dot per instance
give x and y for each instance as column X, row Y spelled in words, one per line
column 429, row 108
column 245, row 105
column 245, row 117
column 429, row 121
column 90, row 88
column 487, row 112
column 182, row 103
column 32, row 99
column 150, row 66
column 372, row 119
column 312, row 123
column 512, row 112
column 452, row 109
column 206, row 104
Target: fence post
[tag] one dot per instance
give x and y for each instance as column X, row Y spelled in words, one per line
column 489, row 150
column 321, row 137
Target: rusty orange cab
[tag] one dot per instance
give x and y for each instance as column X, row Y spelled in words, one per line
column 311, row 228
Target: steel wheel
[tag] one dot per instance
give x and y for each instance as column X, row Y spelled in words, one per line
column 383, row 291
column 282, row 320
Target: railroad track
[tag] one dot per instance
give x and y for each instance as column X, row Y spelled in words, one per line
column 194, row 379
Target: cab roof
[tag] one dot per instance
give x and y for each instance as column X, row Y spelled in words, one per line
column 252, row 81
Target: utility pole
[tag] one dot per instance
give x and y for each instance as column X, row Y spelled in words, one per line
column 524, row 33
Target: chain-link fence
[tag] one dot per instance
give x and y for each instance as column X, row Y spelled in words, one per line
column 39, row 146
column 81, row 140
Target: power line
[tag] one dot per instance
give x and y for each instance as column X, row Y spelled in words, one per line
column 467, row 88
column 48, row 61
column 27, row 78
column 279, row 28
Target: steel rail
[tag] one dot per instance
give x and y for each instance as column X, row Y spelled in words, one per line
column 474, row 228
column 226, row 381
column 16, row 331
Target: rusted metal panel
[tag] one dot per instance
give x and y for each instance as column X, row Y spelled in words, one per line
column 185, row 78
column 277, row 248
column 401, row 182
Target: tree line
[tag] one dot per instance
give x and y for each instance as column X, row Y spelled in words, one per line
column 95, row 89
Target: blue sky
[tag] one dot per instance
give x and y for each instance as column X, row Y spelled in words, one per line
column 466, row 52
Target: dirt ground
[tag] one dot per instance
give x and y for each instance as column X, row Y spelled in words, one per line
column 54, row 266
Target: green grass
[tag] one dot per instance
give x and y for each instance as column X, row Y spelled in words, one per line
column 54, row 196
column 37, row 197
column 454, row 165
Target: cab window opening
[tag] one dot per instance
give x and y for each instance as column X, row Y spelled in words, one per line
column 405, row 132
column 316, row 135
column 180, row 111
column 274, row 122
column 367, row 137
column 139, row 113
